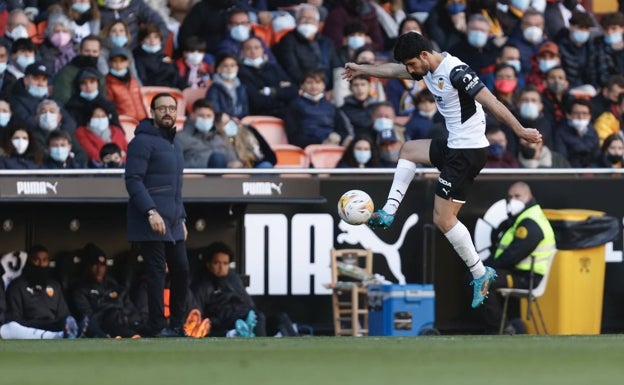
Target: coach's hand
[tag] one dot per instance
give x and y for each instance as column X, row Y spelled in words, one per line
column 157, row 223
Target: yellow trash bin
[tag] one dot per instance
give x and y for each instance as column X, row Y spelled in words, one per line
column 572, row 303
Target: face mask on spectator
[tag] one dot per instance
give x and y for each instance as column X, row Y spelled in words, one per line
column 230, row 129
column 355, row 42
column 428, row 114
column 533, row 34
column 60, row 39
column 527, row 152
column 455, row 8
column 20, row 145
column 228, row 75
column 307, row 30
column 514, row 207
column 515, row 64
column 81, row 7
column 580, row 37
column 529, row 110
column 521, row 5
column 256, row 63
column 19, row 32
column 89, row 95
column 382, row 124
column 614, row 158
column 4, row 118
column 546, row 64
column 3, row 67
column 362, row 156
column 194, row 58
column 119, row 73
column 99, row 125
column 505, row 86
column 24, row 61
column 390, row 156
column 48, row 121
column 556, row 87
column 119, row 40
column 37, row 91
column 477, row 39
column 613, row 38
column 151, row 48
column 314, row 98
column 580, row 125
column 59, row 154
column 204, row 124
column 496, row 150
column 240, row 33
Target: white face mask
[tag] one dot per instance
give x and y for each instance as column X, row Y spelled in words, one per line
column 20, row 145
column 314, row 98
column 362, row 156
column 427, row 114
column 533, row 34
column 514, row 207
column 257, row 62
column 228, row 75
column 580, row 125
column 529, row 110
column 203, row 124
column 307, row 30
column 194, row 58
column 240, row 33
column 59, row 154
column 383, row 124
column 48, row 121
column 230, row 129
column 98, row 125
column 19, row 32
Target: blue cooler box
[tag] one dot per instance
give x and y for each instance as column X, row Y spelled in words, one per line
column 400, row 310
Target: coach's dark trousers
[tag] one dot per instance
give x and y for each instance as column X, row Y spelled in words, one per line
column 158, row 256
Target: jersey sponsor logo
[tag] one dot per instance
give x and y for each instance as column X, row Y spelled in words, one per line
column 441, row 83
column 36, row 187
column 262, row 188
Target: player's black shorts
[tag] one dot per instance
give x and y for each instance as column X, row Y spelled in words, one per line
column 458, row 168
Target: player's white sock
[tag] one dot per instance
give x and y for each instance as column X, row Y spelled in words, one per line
column 459, row 236
column 14, row 330
column 403, row 176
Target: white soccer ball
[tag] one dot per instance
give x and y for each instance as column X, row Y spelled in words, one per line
column 355, row 207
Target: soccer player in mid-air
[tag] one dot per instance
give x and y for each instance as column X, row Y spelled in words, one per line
column 459, row 95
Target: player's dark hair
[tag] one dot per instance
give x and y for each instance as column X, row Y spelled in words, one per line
column 217, row 247
column 411, row 45
column 36, row 249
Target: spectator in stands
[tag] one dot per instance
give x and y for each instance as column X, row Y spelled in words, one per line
column 99, row 299
column 50, row 117
column 122, row 88
column 269, row 89
column 446, row 24
column 222, row 297
column 207, row 19
column 422, row 120
column 529, row 38
column 575, row 137
column 201, row 145
column 609, row 55
column 110, row 157
column 539, row 155
column 20, row 149
column 238, row 30
column 227, row 93
column 84, row 16
column 88, row 55
column 361, row 152
column 546, row 58
column 252, row 150
column 154, row 68
column 116, row 36
column 59, row 152
column 348, row 11
column 606, row 99
column 530, row 113
column 88, row 97
column 5, row 114
column 134, row 13
column 610, row 122
column 7, row 79
column 557, row 15
column 390, row 14
column 498, row 156
column 506, row 85
column 58, row 48
column 556, row 96
column 611, row 152
column 310, row 118
column 305, row 49
column 36, row 308
column 510, row 55
column 354, row 36
column 22, row 55
column 354, row 114
column 366, row 55
column 576, row 50
column 389, row 135
column 98, row 131
column 17, row 27
column 478, row 48
column 192, row 69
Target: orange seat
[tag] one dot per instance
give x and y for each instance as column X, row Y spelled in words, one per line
column 272, row 129
column 128, row 124
column 290, row 156
column 193, row 94
column 324, row 155
column 263, row 32
column 148, row 92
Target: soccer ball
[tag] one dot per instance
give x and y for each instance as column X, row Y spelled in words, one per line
column 355, row 207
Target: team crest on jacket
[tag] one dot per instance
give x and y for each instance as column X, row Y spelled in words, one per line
column 50, row 291
column 440, row 83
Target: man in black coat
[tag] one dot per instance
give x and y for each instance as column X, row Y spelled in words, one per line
column 156, row 215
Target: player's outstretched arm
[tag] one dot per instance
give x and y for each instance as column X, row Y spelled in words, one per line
column 502, row 113
column 386, row 70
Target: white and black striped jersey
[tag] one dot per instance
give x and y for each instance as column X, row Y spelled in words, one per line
column 454, row 86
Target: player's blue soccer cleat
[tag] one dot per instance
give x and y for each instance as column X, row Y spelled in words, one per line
column 380, row 219
column 482, row 286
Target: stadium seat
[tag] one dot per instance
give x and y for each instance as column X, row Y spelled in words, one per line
column 193, row 94
column 350, row 297
column 148, row 92
column 532, row 294
column 290, row 156
column 271, row 128
column 324, row 155
column 128, row 124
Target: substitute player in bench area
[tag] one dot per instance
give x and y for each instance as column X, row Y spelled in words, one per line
column 459, row 95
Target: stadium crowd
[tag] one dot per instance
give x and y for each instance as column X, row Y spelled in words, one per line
column 76, row 77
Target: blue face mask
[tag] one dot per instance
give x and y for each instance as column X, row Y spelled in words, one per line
column 362, row 156
column 496, row 149
column 545, row 65
column 203, row 124
column 119, row 73
column 231, row 128
column 81, row 7
column 98, row 124
column 4, row 118
column 515, row 64
column 355, row 42
column 529, row 111
column 477, row 39
column 455, row 8
column 119, row 41
column 151, row 48
column 613, row 38
column 580, row 37
column 240, row 33
column 37, row 92
column 383, row 124
column 89, row 95
column 59, row 154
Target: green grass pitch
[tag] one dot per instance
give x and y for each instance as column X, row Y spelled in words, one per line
column 448, row 360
